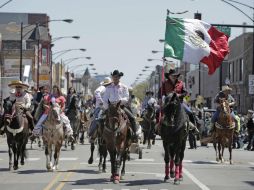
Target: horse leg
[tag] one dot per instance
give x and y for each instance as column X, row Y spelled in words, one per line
column 90, row 161
column 219, row 150
column 15, row 151
column 123, row 168
column 10, row 155
column 112, row 160
column 216, row 151
column 166, row 160
column 145, row 138
column 48, row 159
column 230, row 150
column 181, row 161
column 101, row 156
column 105, row 153
column 222, row 151
column 56, row 155
column 23, row 154
column 177, row 169
column 117, row 166
column 172, row 164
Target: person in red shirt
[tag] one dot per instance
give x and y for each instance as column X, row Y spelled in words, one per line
column 60, row 99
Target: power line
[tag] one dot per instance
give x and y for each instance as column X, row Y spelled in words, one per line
column 5, row 3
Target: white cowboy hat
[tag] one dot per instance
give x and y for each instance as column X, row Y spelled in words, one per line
column 18, row 83
column 226, row 87
column 106, row 81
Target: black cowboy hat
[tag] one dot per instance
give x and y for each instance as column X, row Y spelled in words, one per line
column 149, row 92
column 117, row 73
column 172, row 72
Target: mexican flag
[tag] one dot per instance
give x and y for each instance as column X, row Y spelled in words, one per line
column 194, row 41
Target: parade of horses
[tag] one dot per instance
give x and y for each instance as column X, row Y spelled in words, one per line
column 186, row 121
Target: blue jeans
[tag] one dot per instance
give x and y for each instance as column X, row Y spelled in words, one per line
column 216, row 116
column 93, row 125
column 186, row 108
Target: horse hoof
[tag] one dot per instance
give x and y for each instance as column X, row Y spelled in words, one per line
column 177, row 182
column 111, row 178
column 166, row 178
column 181, row 178
column 122, row 177
column 15, row 167
column 73, row 147
column 22, row 163
column 217, row 159
column 231, row 162
column 104, row 171
column 116, row 179
column 90, row 161
column 10, row 168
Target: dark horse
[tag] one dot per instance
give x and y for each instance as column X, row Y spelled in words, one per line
column 148, row 125
column 74, row 116
column 174, row 131
column 101, row 144
column 117, row 137
column 17, row 131
column 224, row 131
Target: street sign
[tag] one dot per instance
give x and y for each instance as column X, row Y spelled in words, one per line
column 251, row 84
column 225, row 29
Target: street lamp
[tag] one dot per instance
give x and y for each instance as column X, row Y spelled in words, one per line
column 62, row 37
column 66, row 51
column 155, row 51
column 68, row 61
column 38, row 38
column 80, row 65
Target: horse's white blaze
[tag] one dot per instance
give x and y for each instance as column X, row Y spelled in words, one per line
column 33, row 159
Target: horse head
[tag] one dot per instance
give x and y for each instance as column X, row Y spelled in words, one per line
column 225, row 113
column 150, row 111
column 9, row 110
column 55, row 112
column 74, row 104
column 171, row 107
column 114, row 115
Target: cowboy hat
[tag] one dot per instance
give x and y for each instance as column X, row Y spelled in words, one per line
column 106, row 81
column 171, row 72
column 226, row 87
column 117, row 73
column 18, row 83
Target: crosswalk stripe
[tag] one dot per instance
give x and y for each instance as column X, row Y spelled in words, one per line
column 251, row 163
column 68, row 159
column 144, row 160
column 33, row 159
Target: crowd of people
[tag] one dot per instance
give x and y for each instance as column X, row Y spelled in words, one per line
column 37, row 104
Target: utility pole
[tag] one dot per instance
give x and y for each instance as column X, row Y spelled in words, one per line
column 198, row 16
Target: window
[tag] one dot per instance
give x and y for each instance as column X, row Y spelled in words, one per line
column 241, row 69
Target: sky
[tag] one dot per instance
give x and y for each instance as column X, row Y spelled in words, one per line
column 120, row 34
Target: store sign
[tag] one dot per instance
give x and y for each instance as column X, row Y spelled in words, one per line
column 12, row 67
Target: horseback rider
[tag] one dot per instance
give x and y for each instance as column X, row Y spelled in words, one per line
column 174, row 84
column 148, row 97
column 23, row 100
column 116, row 92
column 70, row 94
column 57, row 97
column 134, row 103
column 224, row 93
column 98, row 93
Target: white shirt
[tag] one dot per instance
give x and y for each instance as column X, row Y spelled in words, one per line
column 115, row 93
column 98, row 93
column 24, row 99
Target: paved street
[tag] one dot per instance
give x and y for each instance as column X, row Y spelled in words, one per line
column 200, row 171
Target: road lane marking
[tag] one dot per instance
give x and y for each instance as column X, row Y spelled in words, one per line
column 144, row 160
column 66, row 177
column 33, row 159
column 251, row 163
column 53, row 181
column 68, row 159
column 195, row 180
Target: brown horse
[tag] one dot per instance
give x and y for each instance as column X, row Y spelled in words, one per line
column 53, row 136
column 17, row 131
column 117, row 137
column 224, row 131
column 148, row 125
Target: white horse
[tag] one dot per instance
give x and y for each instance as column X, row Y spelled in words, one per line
column 53, row 135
